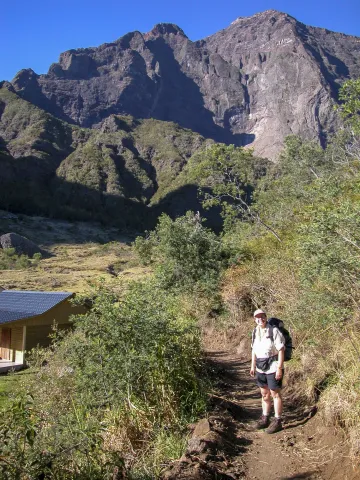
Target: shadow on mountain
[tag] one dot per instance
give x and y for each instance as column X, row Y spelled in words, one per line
column 339, row 68
column 63, row 200
column 28, row 88
column 185, row 198
column 241, row 139
column 178, row 97
column 57, row 198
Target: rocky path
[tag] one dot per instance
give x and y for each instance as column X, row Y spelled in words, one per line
column 227, row 446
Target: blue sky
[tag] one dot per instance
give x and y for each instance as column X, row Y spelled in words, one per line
column 34, row 33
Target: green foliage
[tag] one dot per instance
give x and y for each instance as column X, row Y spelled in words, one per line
column 313, row 203
column 228, row 176
column 127, row 372
column 18, row 432
column 188, row 256
column 349, row 95
column 37, row 257
column 231, row 174
column 330, row 245
column 8, row 387
column 9, row 260
column 33, row 446
column 169, row 147
column 285, row 188
column 133, row 347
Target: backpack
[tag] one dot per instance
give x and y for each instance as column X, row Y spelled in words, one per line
column 279, row 324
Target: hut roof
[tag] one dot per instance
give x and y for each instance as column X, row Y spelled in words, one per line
column 21, row 304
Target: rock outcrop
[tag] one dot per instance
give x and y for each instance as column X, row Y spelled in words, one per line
column 255, row 82
column 22, row 245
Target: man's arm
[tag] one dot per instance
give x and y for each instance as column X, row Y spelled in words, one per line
column 253, row 364
column 279, row 371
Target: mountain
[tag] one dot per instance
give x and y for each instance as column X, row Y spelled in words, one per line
column 253, row 83
column 111, row 174
column 106, row 133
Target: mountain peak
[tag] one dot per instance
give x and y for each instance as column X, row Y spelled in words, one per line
column 166, row 29
column 254, row 82
column 23, row 78
column 261, row 15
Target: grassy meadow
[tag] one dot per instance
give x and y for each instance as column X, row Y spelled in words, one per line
column 80, row 253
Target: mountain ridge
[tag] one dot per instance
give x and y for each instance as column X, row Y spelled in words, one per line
column 118, row 173
column 106, row 133
column 261, row 78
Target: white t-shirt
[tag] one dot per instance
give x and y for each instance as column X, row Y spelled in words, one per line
column 265, row 347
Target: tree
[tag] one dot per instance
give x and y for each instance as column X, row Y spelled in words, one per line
column 350, row 108
column 344, row 148
column 228, row 176
column 186, row 254
column 286, row 187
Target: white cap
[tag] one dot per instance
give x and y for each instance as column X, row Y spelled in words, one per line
column 259, row 312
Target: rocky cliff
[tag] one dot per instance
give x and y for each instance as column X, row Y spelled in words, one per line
column 253, row 83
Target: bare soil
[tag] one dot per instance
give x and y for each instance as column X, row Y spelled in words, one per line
column 227, row 445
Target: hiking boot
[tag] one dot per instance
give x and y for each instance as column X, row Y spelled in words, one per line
column 275, row 426
column 263, row 422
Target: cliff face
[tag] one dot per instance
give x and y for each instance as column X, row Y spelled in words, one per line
column 291, row 74
column 255, row 82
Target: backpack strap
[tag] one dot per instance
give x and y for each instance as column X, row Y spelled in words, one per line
column 271, row 335
column 271, row 332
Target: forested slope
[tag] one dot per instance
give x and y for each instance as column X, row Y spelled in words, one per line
column 109, row 174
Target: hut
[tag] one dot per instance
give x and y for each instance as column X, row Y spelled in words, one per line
column 27, row 319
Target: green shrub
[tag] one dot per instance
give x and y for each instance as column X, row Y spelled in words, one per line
column 187, row 255
column 129, row 370
column 9, row 260
column 134, row 347
column 37, row 257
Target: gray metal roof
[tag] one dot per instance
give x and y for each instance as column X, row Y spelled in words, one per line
column 18, row 305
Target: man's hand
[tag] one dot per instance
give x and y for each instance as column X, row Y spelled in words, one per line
column 252, row 371
column 279, row 374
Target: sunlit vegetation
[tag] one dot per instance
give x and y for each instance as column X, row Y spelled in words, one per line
column 116, row 393
column 298, row 256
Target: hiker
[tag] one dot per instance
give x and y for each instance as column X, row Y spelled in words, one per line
column 267, row 366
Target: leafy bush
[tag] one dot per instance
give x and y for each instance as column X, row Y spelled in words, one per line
column 228, row 176
column 127, row 373
column 9, row 260
column 34, row 446
column 188, row 256
column 350, row 107
column 135, row 346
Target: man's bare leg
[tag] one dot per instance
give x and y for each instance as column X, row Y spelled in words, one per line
column 265, row 401
column 278, row 403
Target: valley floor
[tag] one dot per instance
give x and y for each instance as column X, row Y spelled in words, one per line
column 80, row 254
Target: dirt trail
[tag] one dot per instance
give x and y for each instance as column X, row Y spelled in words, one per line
column 226, row 445
column 305, row 449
